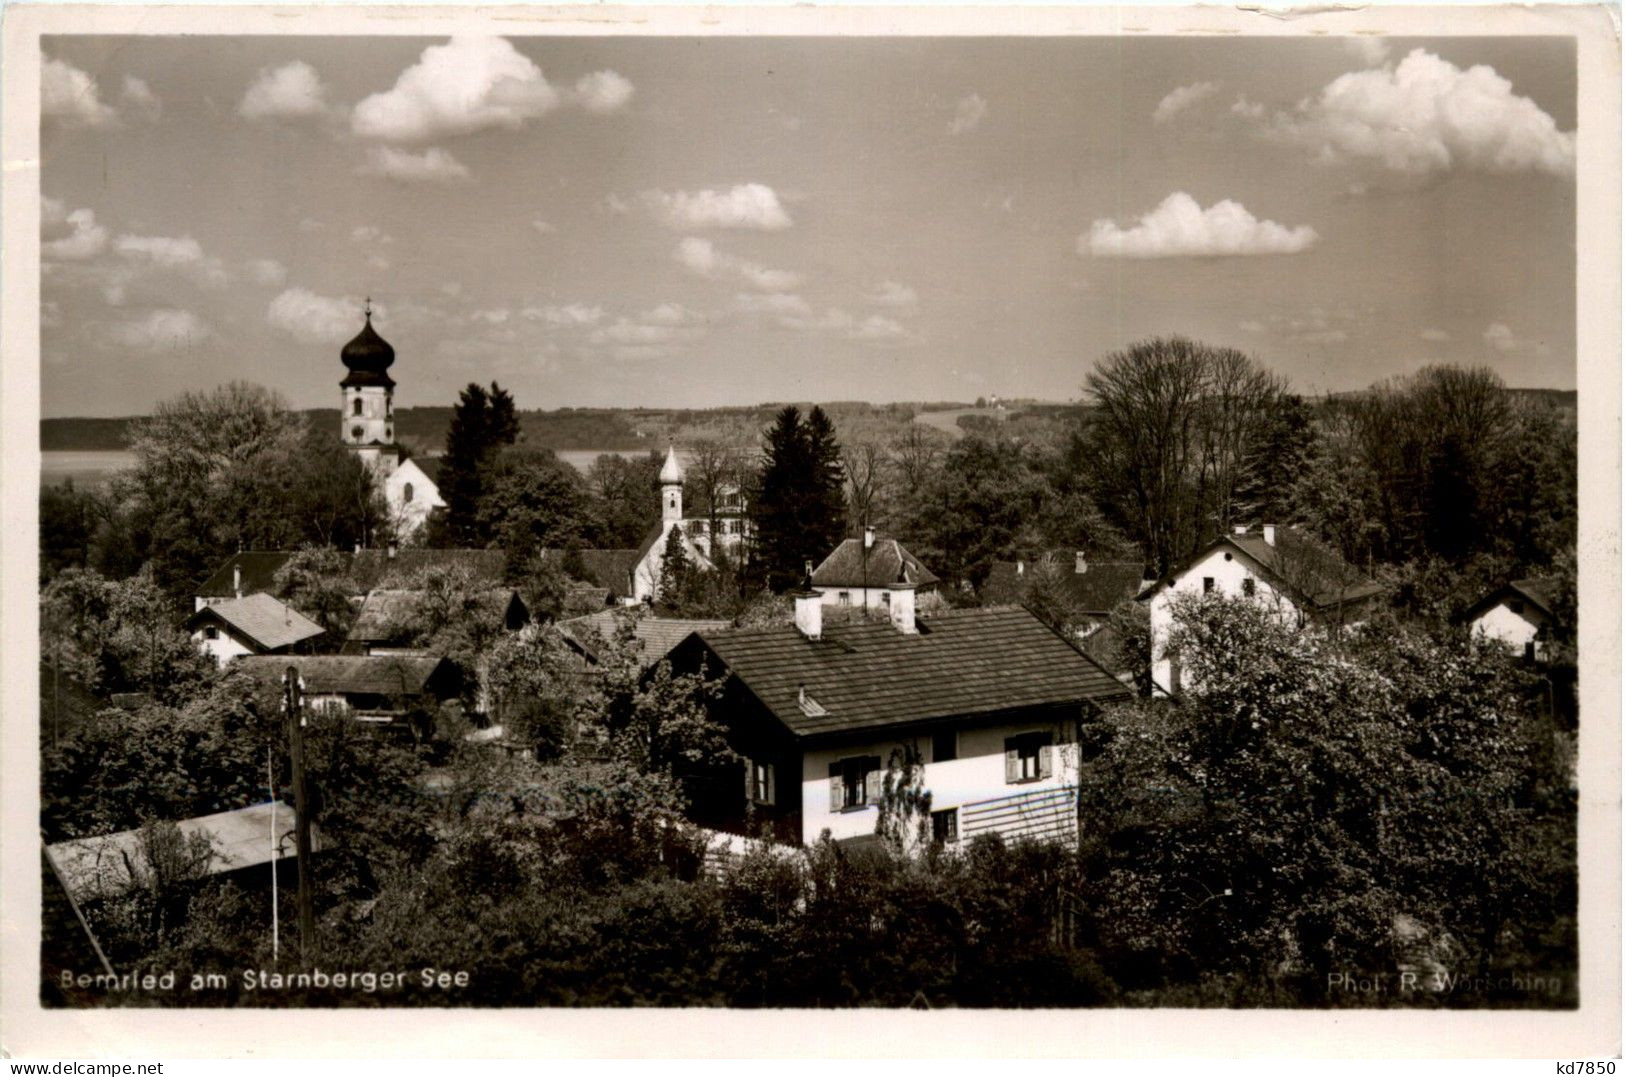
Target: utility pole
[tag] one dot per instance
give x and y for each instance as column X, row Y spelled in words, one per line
column 293, row 697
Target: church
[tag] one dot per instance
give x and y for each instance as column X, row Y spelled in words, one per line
column 367, row 420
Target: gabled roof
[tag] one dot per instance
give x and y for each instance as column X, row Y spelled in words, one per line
column 99, row 867
column 1100, row 587
column 887, row 562
column 868, row 675
column 654, row 637
column 370, row 568
column 267, row 622
column 1538, row 591
column 342, row 674
column 608, row 569
column 384, row 610
column 1314, row 574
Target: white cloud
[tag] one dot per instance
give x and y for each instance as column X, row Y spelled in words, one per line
column 890, row 293
column 468, row 84
column 1438, row 336
column 433, row 165
column 1428, row 115
column 543, row 227
column 267, row 271
column 70, row 96
column 673, row 314
column 310, row 225
column 873, row 329
column 1500, row 337
column 494, row 316
column 377, row 261
column 138, row 98
column 1181, row 98
column 1181, row 228
column 968, row 114
column 317, row 318
column 1248, row 110
column 771, row 303
column 564, row 317
column 660, row 331
column 292, row 91
column 702, row 257
column 166, row 251
column 161, row 330
column 69, row 237
column 603, row 91
column 366, row 233
column 876, row 327
column 1370, row 49
column 745, row 205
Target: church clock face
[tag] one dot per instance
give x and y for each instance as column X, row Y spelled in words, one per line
column 356, row 432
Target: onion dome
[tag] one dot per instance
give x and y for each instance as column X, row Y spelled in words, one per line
column 671, row 473
column 368, row 358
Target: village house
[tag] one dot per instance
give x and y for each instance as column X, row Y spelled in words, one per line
column 1518, row 615
column 988, row 701
column 253, row 624
column 1093, row 588
column 398, row 690
column 867, row 571
column 368, row 569
column 1282, row 568
column 380, row 626
column 732, row 534
column 651, row 638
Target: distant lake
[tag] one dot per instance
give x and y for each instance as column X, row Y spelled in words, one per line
column 93, row 467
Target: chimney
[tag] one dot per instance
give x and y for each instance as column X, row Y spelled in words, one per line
column 1240, row 529
column 902, row 604
column 1269, row 534
column 1079, row 565
column 358, row 547
column 237, row 579
column 390, row 551
column 809, row 608
column 1021, row 568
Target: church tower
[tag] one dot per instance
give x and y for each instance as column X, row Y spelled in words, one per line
column 367, row 413
column 671, row 488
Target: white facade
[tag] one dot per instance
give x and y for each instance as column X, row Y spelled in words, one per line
column 368, row 419
column 989, row 785
column 873, row 597
column 411, row 495
column 220, row 643
column 1225, row 571
column 1514, row 623
column 646, row 573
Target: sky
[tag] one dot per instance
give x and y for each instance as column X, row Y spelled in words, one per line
column 697, row 222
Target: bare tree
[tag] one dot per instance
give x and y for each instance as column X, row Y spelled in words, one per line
column 866, row 464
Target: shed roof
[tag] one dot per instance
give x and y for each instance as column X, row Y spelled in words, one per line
column 99, row 867
column 868, row 675
column 887, row 562
column 268, row 622
column 354, row 674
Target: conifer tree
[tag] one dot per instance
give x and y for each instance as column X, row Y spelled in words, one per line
column 800, row 510
column 482, row 425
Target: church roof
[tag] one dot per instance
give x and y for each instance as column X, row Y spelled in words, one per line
column 368, row 356
column 671, row 472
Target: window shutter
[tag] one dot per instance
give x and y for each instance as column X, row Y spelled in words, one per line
column 872, row 782
column 772, row 793
column 1046, row 761
column 750, row 781
column 1012, row 764
column 835, row 786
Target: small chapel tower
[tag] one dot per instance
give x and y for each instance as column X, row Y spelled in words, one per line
column 368, row 404
column 671, row 488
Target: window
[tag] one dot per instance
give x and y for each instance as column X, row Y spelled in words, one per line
column 1249, row 587
column 406, row 492
column 945, row 826
column 356, row 410
column 854, row 782
column 1207, row 585
column 761, row 782
column 1028, row 758
column 211, row 632
column 944, row 745
column 844, row 598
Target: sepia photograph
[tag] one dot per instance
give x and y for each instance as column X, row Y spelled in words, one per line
column 787, row 519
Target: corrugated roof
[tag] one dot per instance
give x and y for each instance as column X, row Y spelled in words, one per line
column 347, row 674
column 99, row 867
column 654, row 637
column 268, row 622
column 1099, row 588
column 863, row 675
column 887, row 561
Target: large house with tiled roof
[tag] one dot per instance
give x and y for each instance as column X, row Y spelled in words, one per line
column 863, row 572
column 1282, row 568
column 988, row 701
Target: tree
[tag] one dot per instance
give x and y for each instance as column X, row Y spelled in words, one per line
column 625, row 498
column 119, row 636
column 482, row 425
column 68, row 520
column 316, row 581
column 531, row 501
column 799, row 510
column 713, row 468
column 866, row 466
column 535, row 690
column 676, row 572
column 1044, row 593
